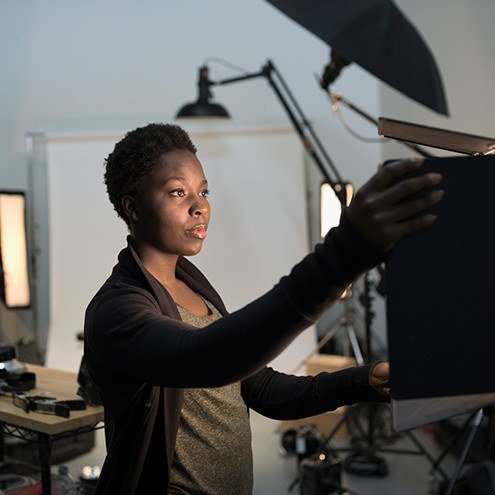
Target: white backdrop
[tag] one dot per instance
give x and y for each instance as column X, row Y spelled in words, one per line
column 257, row 232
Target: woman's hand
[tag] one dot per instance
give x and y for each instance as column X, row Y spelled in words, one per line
column 380, row 378
column 379, row 212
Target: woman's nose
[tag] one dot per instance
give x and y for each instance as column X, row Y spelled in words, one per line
column 200, row 207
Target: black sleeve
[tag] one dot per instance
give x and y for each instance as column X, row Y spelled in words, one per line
column 280, row 396
column 126, row 331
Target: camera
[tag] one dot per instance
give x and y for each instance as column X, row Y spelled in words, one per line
column 320, row 471
column 320, row 474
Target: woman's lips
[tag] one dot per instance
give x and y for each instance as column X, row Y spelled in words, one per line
column 198, row 231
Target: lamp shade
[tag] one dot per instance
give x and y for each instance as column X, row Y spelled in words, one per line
column 203, row 109
column 14, row 277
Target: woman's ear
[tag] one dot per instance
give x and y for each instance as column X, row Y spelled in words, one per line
column 130, row 207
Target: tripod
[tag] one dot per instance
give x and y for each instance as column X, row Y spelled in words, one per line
column 346, row 325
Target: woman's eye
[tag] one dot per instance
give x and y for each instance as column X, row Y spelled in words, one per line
column 177, row 192
column 205, row 193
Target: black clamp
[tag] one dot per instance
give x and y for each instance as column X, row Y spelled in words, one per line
column 47, row 405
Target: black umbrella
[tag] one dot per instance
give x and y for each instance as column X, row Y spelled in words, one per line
column 377, row 36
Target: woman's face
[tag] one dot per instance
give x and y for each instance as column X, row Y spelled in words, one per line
column 172, row 211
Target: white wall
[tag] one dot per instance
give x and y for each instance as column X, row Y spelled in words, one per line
column 92, row 66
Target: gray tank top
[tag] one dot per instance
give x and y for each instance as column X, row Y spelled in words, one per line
column 213, row 453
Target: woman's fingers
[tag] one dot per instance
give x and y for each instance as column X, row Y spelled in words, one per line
column 400, row 191
column 391, row 171
column 379, row 378
column 405, row 210
column 393, row 232
column 380, row 373
column 400, row 230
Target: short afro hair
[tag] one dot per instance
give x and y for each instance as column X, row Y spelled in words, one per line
column 136, row 156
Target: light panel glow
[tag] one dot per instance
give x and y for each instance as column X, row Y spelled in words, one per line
column 13, row 250
column 330, row 207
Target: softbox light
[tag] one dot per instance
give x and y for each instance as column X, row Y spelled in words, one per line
column 14, row 277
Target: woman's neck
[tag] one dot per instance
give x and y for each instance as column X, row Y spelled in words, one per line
column 161, row 265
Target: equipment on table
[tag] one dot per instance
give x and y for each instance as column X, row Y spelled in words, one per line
column 13, row 374
column 48, row 405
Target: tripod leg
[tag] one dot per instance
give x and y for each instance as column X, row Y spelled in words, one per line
column 335, row 429
column 467, row 446
column 422, row 449
column 452, row 442
column 330, row 335
column 355, row 345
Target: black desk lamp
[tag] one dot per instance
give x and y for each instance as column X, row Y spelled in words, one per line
column 203, row 107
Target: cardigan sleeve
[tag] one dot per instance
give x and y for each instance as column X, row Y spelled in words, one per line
column 280, row 396
column 126, row 332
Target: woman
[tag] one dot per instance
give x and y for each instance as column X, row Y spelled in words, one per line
column 176, row 397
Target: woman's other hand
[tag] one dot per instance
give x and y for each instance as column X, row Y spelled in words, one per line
column 380, row 378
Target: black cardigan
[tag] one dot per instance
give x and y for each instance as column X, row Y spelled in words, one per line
column 140, row 354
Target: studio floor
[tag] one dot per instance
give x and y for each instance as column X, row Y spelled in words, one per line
column 274, row 473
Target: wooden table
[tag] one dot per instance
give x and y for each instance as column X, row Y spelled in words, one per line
column 46, row 427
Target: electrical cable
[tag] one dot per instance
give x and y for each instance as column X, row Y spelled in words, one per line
column 334, row 105
column 337, row 110
column 225, row 63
